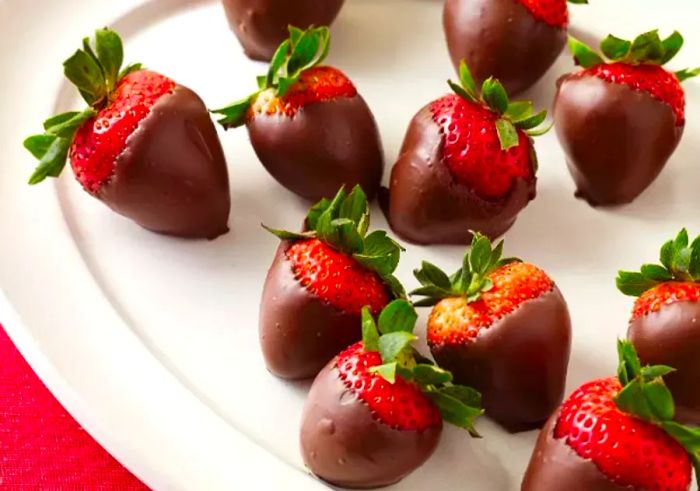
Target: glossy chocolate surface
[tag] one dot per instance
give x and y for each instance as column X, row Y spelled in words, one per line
column 323, row 146
column 554, row 466
column 343, row 444
column 501, row 38
column 261, row 25
column 299, row 333
column 671, row 337
column 172, row 176
column 425, row 205
column 616, row 139
column 519, row 364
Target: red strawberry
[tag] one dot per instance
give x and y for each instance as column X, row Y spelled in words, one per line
column 503, row 327
column 319, row 282
column 261, row 25
column 146, row 145
column 616, row 434
column 308, row 125
column 374, row 413
column 632, row 99
column 515, row 41
column 665, row 323
column 467, row 163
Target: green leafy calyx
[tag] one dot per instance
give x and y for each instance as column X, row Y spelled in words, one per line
column 470, row 281
column 646, row 48
column 342, row 223
column 392, row 336
column 95, row 70
column 301, row 51
column 645, row 395
column 514, row 115
column 679, row 261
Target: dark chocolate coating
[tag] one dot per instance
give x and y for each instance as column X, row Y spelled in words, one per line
column 299, row 332
column 323, row 146
column 554, row 466
column 501, row 38
column 261, row 25
column 343, row 444
column 171, row 178
column 616, row 139
column 426, row 206
column 671, row 337
column 519, row 363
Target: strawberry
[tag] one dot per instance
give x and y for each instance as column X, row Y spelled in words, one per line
column 617, row 433
column 320, row 281
column 261, row 25
column 467, row 163
column 145, row 146
column 374, row 413
column 664, row 325
column 601, row 105
column 307, row 123
column 515, row 41
column 502, row 326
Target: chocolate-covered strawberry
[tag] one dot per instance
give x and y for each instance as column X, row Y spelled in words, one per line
column 467, row 163
column 515, row 41
column 145, row 146
column 620, row 120
column 261, row 25
column 503, row 327
column 616, row 434
column 665, row 323
column 319, row 282
column 308, row 125
column 374, row 413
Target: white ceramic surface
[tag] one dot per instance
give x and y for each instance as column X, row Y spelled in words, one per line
column 151, row 342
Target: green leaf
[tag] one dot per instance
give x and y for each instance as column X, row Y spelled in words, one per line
column 578, row 1
column 398, row 316
column 667, row 252
column 315, row 212
column 518, row 110
column 425, row 374
column 294, row 34
column 467, row 80
column 615, row 48
column 393, row 343
column 348, row 238
column 632, row 283
column 53, row 159
column 507, row 134
column 647, row 47
column 494, row 94
column 584, row 55
column 133, row 67
column 354, row 207
column 429, row 274
column 381, row 253
column 59, row 119
column 286, row 235
column 276, row 63
column 110, row 53
column 467, row 395
column 66, row 127
column 234, row 115
column 370, row 334
column 630, row 367
column 83, row 70
column 459, row 90
column 687, row 73
column 538, row 132
column 656, row 272
column 480, row 254
column 688, row 437
column 38, row 145
column 631, row 400
column 455, row 411
column 659, row 399
column 671, row 46
column 387, row 371
column 681, row 263
column 650, row 372
column 531, row 122
column 395, row 286
column 681, row 239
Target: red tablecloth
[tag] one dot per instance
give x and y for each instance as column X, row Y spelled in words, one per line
column 41, row 446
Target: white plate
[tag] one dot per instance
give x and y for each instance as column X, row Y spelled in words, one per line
column 151, row 342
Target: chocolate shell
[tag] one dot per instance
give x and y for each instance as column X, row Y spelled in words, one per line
column 518, row 364
column 172, row 178
column 343, row 444
column 616, row 139
column 299, row 332
column 425, row 205
column 501, row 38
column 671, row 337
column 554, row 466
column 323, row 146
column 261, row 25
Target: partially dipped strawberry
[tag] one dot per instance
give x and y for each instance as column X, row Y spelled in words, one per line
column 145, row 146
column 374, row 413
column 503, row 327
column 620, row 120
column 307, row 123
column 515, row 41
column 467, row 163
column 616, row 434
column 665, row 322
column 261, row 25
column 318, row 283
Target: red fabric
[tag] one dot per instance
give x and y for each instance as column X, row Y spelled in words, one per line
column 41, row 446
